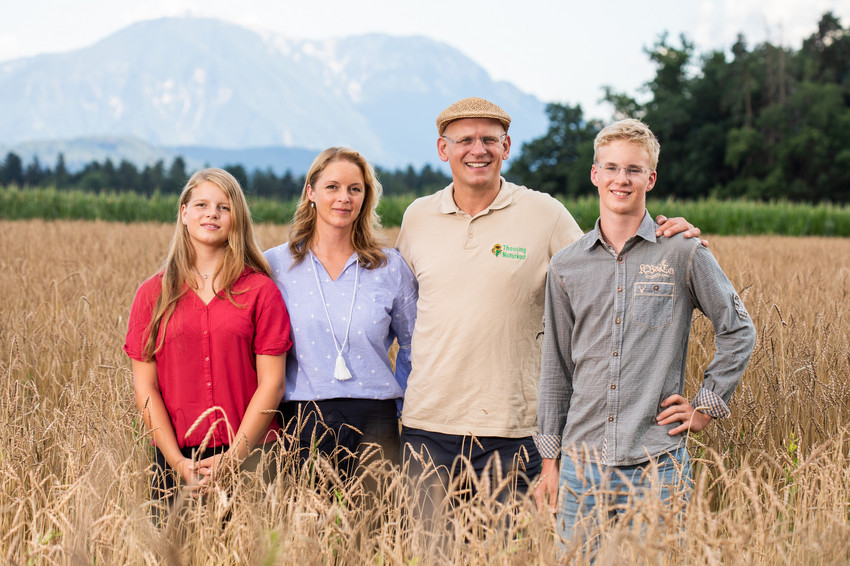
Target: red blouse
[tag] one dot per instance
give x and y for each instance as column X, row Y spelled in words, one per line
column 208, row 359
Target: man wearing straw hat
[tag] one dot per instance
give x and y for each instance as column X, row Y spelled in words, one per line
column 480, row 249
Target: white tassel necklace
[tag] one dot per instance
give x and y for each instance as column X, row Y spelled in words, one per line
column 340, row 369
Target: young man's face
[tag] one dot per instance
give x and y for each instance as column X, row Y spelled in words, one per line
column 475, row 149
column 623, row 176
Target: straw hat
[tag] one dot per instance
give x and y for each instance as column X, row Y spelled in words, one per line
column 472, row 107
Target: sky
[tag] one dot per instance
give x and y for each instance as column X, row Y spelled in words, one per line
column 559, row 50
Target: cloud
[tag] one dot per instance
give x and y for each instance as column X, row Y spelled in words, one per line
column 9, row 46
column 783, row 22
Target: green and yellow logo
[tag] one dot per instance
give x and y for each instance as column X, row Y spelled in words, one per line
column 509, row 252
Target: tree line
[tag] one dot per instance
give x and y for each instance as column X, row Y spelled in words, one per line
column 763, row 123
column 157, row 178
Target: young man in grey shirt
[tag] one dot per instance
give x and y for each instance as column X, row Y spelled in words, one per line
column 617, row 316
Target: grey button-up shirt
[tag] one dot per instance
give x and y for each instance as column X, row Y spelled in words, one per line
column 616, row 341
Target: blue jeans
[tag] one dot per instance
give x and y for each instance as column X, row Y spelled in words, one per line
column 584, row 485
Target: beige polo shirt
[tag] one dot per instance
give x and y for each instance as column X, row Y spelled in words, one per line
column 475, row 352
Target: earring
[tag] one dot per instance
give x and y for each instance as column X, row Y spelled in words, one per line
column 312, row 204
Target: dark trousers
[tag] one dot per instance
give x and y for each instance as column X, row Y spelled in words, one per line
column 444, row 470
column 341, row 430
column 500, row 458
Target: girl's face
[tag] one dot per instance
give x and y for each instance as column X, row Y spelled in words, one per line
column 207, row 216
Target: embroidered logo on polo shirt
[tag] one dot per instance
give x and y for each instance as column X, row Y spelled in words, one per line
column 662, row 269
column 509, row 252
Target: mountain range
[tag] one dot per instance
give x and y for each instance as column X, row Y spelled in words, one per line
column 157, row 86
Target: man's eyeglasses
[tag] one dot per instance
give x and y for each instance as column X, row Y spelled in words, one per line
column 486, row 141
column 611, row 170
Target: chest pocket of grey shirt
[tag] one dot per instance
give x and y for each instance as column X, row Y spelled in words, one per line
column 652, row 303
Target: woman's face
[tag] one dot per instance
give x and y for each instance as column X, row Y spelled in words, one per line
column 338, row 194
column 207, row 216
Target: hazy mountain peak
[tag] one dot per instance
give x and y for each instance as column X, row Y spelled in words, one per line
column 205, row 82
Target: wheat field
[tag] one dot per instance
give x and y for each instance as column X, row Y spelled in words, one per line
column 772, row 481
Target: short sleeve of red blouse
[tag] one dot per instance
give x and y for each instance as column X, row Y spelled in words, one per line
column 271, row 320
column 140, row 317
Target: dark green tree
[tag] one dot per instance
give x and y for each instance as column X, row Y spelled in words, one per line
column 265, row 183
column 153, row 177
column 177, row 176
column 241, row 175
column 91, row 178
column 12, row 171
column 559, row 161
column 110, row 174
column 827, row 53
column 61, row 177
column 670, row 115
column 34, row 176
column 128, row 178
column 291, row 186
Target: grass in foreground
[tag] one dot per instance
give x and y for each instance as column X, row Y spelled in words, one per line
column 773, row 480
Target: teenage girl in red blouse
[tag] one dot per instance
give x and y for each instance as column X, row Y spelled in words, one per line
column 208, row 337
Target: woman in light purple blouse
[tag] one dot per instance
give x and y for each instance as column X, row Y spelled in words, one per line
column 348, row 300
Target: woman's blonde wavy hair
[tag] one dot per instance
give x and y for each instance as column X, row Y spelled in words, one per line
column 364, row 233
column 241, row 251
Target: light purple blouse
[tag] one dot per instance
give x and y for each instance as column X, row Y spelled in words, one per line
column 384, row 309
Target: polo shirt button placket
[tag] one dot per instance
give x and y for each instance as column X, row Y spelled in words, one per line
column 467, row 241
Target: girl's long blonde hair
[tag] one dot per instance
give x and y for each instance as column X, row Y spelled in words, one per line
column 241, row 251
column 364, row 233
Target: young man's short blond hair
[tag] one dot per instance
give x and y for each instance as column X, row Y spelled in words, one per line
column 631, row 130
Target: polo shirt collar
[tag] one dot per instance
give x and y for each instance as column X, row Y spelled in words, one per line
column 646, row 230
column 447, row 203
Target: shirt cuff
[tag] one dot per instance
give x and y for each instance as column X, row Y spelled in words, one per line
column 549, row 445
column 711, row 404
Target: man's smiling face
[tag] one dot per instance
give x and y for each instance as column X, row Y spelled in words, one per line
column 474, row 165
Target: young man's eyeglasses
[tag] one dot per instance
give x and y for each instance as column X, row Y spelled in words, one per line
column 611, row 170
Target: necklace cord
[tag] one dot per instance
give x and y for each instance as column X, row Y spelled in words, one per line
column 341, row 372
